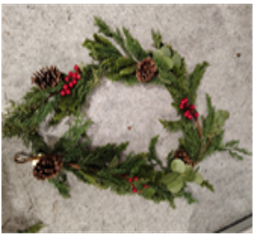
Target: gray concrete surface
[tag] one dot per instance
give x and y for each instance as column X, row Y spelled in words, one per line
column 38, row 35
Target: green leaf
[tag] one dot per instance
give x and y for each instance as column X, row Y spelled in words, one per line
column 171, row 125
column 176, row 185
column 128, row 71
column 149, row 192
column 165, row 51
column 33, row 229
column 189, row 174
column 198, row 178
column 178, row 165
column 176, row 59
column 162, row 61
column 235, row 155
column 206, row 184
column 232, row 143
column 169, row 178
column 157, row 38
column 113, row 163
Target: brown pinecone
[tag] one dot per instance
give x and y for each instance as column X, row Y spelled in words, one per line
column 48, row 166
column 47, row 77
column 145, row 70
column 181, row 154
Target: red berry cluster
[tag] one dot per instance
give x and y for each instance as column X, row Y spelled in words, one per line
column 135, row 178
column 70, row 84
column 189, row 110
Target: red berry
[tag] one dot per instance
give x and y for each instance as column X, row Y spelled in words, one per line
column 136, row 178
column 62, row 93
column 189, row 117
column 74, row 82
column 192, row 107
column 71, row 84
column 145, row 186
column 130, row 180
column 186, row 113
column 134, row 190
column 76, row 67
column 66, row 79
column 196, row 114
column 185, row 100
column 65, row 86
column 74, row 76
column 78, row 77
column 68, row 91
column 181, row 106
column 70, row 74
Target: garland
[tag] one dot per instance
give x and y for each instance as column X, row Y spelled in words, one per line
column 63, row 95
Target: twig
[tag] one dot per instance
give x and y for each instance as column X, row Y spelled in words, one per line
column 202, row 152
column 199, row 129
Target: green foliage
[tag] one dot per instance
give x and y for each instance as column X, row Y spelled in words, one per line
column 206, row 184
column 191, row 142
column 60, row 183
column 234, row 150
column 195, row 79
column 152, row 156
column 134, row 46
column 171, row 125
column 157, row 38
column 178, row 166
column 33, row 229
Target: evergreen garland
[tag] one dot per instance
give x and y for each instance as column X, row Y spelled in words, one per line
column 102, row 166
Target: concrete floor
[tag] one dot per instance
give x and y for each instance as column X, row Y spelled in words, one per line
column 39, row 35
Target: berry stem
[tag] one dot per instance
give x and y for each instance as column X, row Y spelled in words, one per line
column 199, row 129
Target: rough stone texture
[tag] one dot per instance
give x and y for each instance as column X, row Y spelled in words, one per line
column 39, row 35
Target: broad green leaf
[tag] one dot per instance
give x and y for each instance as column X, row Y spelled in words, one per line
column 169, row 177
column 176, row 185
column 113, row 163
column 149, row 192
column 128, row 71
column 177, row 59
column 189, row 174
column 178, row 165
column 165, row 51
column 198, row 178
column 169, row 62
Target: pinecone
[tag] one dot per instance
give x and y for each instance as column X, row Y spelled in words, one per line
column 48, row 166
column 181, row 154
column 47, row 77
column 145, row 70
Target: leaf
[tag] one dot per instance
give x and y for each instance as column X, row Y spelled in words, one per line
column 162, row 61
column 235, row 155
column 149, row 192
column 128, row 71
column 178, row 165
column 165, row 51
column 33, row 229
column 176, row 59
column 171, row 125
column 157, row 38
column 195, row 79
column 206, row 184
column 189, row 174
column 198, row 178
column 169, row 178
column 113, row 163
column 176, row 185
column 232, row 143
